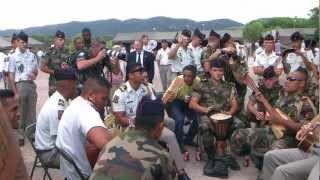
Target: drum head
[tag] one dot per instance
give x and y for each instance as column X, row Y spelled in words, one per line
column 220, row 116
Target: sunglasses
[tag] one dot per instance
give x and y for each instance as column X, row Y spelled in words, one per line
column 293, row 79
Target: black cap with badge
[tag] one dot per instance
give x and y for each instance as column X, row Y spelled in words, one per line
column 186, row 33
column 269, row 73
column 23, row 36
column 198, row 34
column 60, row 34
column 65, row 74
column 215, row 34
column 134, row 67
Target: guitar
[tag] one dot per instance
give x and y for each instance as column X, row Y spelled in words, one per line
column 312, row 136
column 278, row 130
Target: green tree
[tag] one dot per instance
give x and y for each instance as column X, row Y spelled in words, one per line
column 253, row 31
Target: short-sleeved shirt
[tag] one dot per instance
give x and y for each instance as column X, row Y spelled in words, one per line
column 162, row 55
column 126, row 99
column 265, row 60
column 77, row 120
column 219, row 96
column 295, row 61
column 53, row 58
column 23, row 65
column 197, row 52
column 183, row 58
column 48, row 121
column 133, row 155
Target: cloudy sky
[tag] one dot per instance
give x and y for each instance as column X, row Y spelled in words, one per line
column 27, row 13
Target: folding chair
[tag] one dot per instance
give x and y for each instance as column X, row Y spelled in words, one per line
column 68, row 158
column 38, row 162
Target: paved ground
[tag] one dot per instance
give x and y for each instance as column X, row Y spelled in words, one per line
column 193, row 168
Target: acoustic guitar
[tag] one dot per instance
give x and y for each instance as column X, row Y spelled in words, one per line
column 311, row 137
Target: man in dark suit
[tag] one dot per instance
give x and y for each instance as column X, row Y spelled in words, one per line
column 145, row 58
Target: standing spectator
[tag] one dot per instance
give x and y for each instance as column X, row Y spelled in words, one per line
column 196, row 48
column 86, row 36
column 55, row 58
column 145, row 58
column 164, row 64
column 23, row 70
column 180, row 54
column 14, row 44
column 278, row 48
column 267, row 58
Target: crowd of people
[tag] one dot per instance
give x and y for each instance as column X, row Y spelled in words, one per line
column 105, row 114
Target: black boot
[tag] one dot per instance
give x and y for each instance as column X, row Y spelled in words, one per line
column 231, row 162
column 208, row 167
column 220, row 169
column 183, row 176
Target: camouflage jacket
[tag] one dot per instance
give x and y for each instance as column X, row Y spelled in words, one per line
column 207, row 52
column 299, row 108
column 53, row 59
column 219, row 96
column 133, row 156
column 272, row 95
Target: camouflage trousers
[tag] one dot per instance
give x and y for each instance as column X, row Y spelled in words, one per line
column 256, row 142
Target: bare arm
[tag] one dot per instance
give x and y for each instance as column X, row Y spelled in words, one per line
column 194, row 104
column 173, row 52
column 258, row 70
column 98, row 136
column 85, row 63
column 234, row 107
column 277, row 118
column 44, row 68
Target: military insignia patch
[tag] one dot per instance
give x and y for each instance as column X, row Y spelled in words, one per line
column 115, row 99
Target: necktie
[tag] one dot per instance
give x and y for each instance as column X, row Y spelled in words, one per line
column 139, row 58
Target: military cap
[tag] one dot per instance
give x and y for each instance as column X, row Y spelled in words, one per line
column 198, row 34
column 218, row 63
column 134, row 67
column 23, row 36
column 60, row 34
column 65, row 74
column 268, row 37
column 186, row 32
column 215, row 34
column 296, row 36
column 164, row 41
column 13, row 37
column 6, row 93
column 226, row 37
column 149, row 107
column 269, row 72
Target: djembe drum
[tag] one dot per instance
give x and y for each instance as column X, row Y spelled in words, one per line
column 222, row 125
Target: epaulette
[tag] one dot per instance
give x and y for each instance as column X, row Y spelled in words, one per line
column 123, row 87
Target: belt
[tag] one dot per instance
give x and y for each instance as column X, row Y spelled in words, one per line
column 44, row 151
column 26, row 81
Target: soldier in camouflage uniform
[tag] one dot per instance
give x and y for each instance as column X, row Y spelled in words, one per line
column 55, row 58
column 209, row 53
column 298, row 108
column 243, row 140
column 136, row 154
column 209, row 97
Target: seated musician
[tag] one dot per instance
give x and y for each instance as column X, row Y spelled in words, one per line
column 179, row 105
column 209, row 97
column 296, row 109
column 125, row 102
column 294, row 164
column 257, row 140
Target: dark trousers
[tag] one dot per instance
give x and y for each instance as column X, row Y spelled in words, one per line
column 179, row 111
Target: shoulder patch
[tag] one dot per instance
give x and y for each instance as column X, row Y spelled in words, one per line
column 61, row 102
column 115, row 99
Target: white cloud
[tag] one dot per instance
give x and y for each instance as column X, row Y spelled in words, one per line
column 42, row 12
